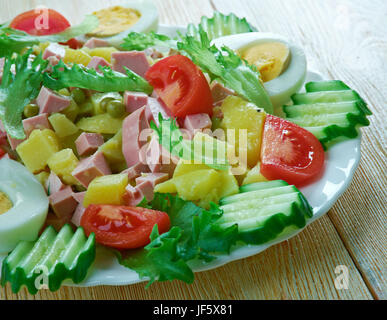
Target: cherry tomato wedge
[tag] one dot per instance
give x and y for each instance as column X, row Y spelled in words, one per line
column 123, row 227
column 181, row 85
column 40, row 22
column 290, row 152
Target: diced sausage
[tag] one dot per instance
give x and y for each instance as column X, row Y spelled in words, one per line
column 154, row 107
column 153, row 53
column 77, row 216
column 54, row 184
column 90, row 168
column 134, row 100
column 131, row 129
column 154, row 178
column 56, row 222
column 132, row 196
column 96, row 43
column 146, row 189
column 95, row 62
column 30, row 124
column 159, row 159
column 133, row 60
column 88, row 143
column 79, row 196
column 220, row 92
column 62, row 203
column 54, row 50
column 50, row 102
column 197, row 122
column 135, row 171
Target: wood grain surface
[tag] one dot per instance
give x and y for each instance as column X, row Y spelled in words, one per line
column 343, row 39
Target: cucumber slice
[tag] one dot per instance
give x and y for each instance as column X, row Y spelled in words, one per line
column 325, row 97
column 262, row 185
column 332, row 85
column 220, row 25
column 330, row 110
column 63, row 256
column 258, row 194
column 264, row 210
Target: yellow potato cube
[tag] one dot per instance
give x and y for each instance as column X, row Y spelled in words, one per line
column 166, row 187
column 101, row 123
column 76, row 56
column 72, row 111
column 185, row 166
column 238, row 115
column 228, row 184
column 63, row 164
column 112, row 149
column 62, row 125
column 37, row 149
column 103, row 52
column 196, row 185
column 254, row 175
column 108, row 189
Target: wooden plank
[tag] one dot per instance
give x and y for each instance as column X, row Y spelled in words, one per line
column 345, row 40
column 301, row 268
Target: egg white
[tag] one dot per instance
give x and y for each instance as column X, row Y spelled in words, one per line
column 290, row 81
column 148, row 21
column 30, row 205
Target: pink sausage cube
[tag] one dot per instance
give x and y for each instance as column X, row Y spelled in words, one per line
column 146, row 190
column 133, row 60
column 62, row 203
column 154, row 178
column 77, row 216
column 50, row 102
column 96, row 43
column 87, row 143
column 38, row 122
column 54, row 50
column 56, row 222
column 90, row 168
column 134, row 100
column 95, row 62
column 136, row 170
column 220, row 92
column 54, row 184
column 132, row 196
column 79, row 196
column 197, row 122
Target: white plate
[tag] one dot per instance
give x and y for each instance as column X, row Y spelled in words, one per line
column 341, row 162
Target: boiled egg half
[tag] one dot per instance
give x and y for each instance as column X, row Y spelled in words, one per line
column 281, row 63
column 116, row 22
column 23, row 205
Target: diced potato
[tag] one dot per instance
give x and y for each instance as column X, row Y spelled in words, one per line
column 37, row 149
column 184, row 166
column 42, row 177
column 103, row 52
column 102, row 123
column 112, row 149
column 228, row 184
column 196, row 185
column 166, row 187
column 108, row 189
column 86, row 109
column 63, row 163
column 239, row 114
column 76, row 56
column 62, row 125
column 254, row 175
column 72, row 111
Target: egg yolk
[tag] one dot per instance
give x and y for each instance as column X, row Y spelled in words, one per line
column 114, row 20
column 5, row 203
column 270, row 58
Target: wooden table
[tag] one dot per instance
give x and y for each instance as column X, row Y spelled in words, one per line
column 344, row 40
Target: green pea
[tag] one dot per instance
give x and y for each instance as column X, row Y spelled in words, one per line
column 31, row 110
column 78, row 96
column 64, row 92
column 116, row 109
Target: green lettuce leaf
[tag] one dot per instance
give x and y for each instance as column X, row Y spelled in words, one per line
column 63, row 76
column 142, row 41
column 171, row 138
column 18, row 89
column 228, row 68
column 195, row 234
column 12, row 40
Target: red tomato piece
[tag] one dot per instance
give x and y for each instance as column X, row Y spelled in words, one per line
column 290, row 152
column 73, row 44
column 181, row 85
column 40, row 22
column 123, row 227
